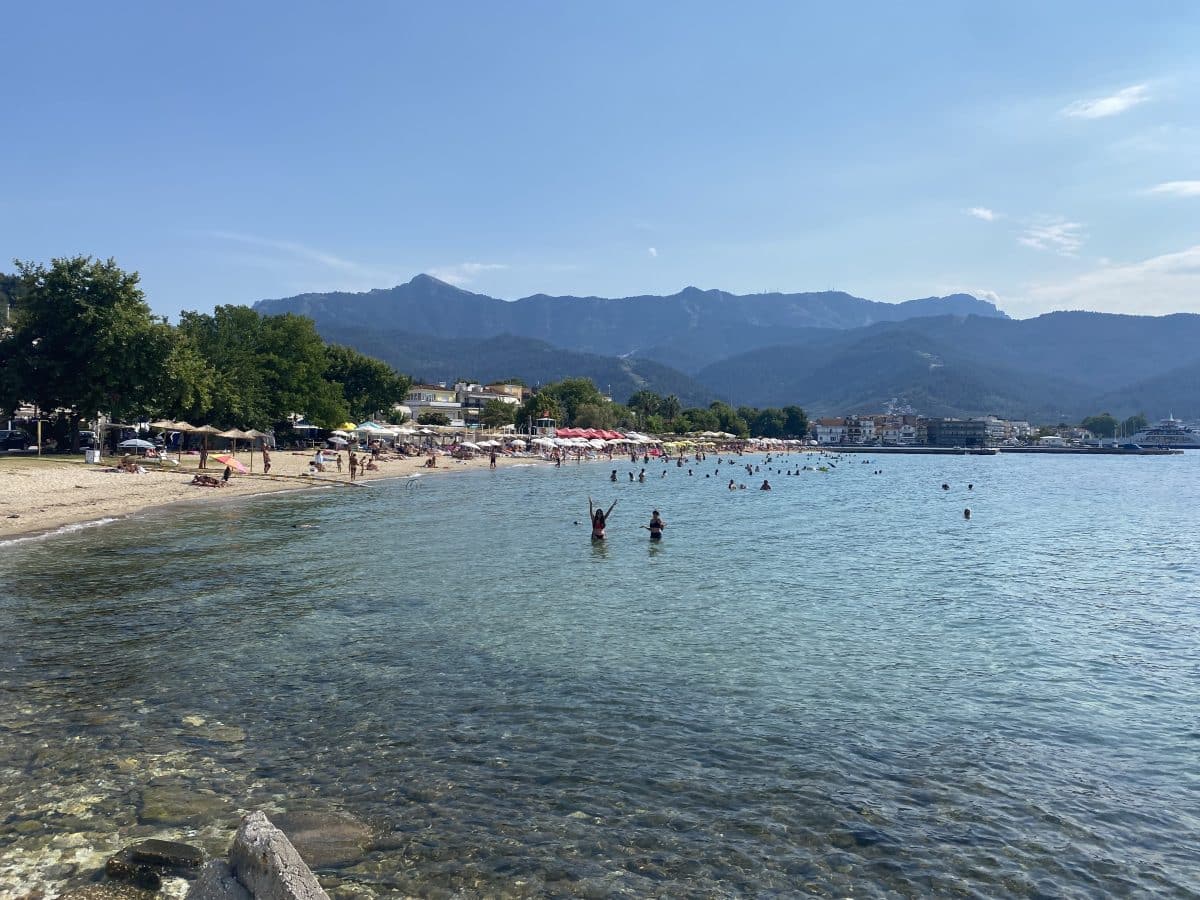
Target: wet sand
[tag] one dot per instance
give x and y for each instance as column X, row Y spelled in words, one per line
column 39, row 495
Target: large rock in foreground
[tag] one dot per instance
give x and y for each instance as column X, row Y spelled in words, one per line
column 267, row 864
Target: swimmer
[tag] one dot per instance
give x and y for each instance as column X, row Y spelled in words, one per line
column 766, row 485
column 656, row 526
column 599, row 518
column 732, row 485
column 967, row 513
column 613, row 476
column 945, row 487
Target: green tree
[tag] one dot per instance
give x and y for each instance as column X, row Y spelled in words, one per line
column 572, row 393
column 84, row 341
column 544, row 404
column 594, row 415
column 1134, row 424
column 433, row 417
column 644, row 403
column 768, row 423
column 368, row 385
column 497, row 413
column 265, row 368
column 795, row 424
column 1104, row 425
column 670, row 407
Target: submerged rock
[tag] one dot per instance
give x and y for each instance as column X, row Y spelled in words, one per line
column 167, row 854
column 325, row 839
column 123, row 867
column 107, row 891
column 173, row 805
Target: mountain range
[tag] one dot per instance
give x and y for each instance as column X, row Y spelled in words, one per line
column 828, row 351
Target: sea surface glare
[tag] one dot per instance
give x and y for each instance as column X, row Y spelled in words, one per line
column 840, row 687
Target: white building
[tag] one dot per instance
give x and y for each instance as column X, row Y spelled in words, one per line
column 830, row 431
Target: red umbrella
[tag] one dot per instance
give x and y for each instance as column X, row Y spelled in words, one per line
column 230, row 461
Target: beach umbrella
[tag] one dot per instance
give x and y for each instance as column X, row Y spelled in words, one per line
column 346, row 427
column 229, row 460
column 205, row 430
column 516, row 442
column 340, row 441
column 338, row 432
column 136, row 444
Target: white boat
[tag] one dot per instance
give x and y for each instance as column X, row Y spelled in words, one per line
column 1170, row 432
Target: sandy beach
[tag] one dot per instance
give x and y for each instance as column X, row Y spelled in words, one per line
column 39, row 495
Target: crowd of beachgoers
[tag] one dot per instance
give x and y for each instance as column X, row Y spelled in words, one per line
column 43, row 494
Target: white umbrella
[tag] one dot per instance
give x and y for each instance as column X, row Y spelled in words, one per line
column 544, row 442
column 136, row 443
column 339, row 433
column 517, row 442
column 469, row 445
column 340, row 441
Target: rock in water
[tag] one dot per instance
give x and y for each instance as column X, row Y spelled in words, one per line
column 123, row 867
column 107, row 891
column 268, row 865
column 167, row 854
column 173, row 805
column 325, row 839
column 217, row 882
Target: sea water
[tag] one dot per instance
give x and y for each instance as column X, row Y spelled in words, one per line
column 841, row 686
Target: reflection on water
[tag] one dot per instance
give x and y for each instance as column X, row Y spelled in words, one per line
column 837, row 687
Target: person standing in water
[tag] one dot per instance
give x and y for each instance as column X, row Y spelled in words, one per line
column 656, row 526
column 599, row 519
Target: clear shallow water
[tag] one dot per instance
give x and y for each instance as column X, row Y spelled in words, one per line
column 836, row 687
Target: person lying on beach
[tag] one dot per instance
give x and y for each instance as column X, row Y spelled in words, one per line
column 202, row 480
column 599, row 519
column 431, row 463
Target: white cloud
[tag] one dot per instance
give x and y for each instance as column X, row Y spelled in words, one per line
column 1177, row 188
column 653, row 251
column 464, row 273
column 982, row 212
column 1164, row 284
column 1056, row 235
column 289, row 255
column 1102, row 107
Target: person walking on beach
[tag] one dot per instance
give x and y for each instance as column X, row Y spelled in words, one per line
column 204, row 457
column 338, row 457
column 492, row 457
column 266, row 459
column 228, row 474
column 353, row 464
column 656, row 526
column 599, row 519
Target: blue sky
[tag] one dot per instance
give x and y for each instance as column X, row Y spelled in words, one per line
column 1045, row 155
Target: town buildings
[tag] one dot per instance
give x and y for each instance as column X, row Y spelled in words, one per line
column 461, row 404
column 907, row 430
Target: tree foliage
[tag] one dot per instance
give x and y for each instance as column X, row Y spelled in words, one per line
column 1104, row 425
column 497, row 413
column 84, row 340
column 369, row 386
column 433, row 417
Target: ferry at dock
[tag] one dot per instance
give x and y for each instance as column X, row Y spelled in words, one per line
column 1170, row 432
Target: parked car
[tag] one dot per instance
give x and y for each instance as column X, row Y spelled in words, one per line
column 87, row 440
column 15, row 439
